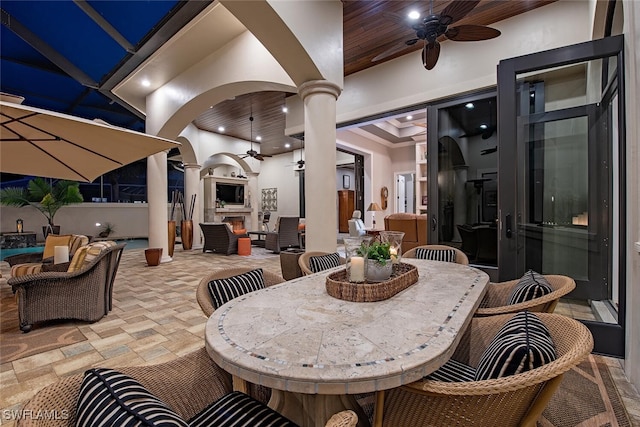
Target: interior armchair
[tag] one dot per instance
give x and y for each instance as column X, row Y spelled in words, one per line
column 219, row 238
column 84, row 293
column 285, row 236
column 356, row 225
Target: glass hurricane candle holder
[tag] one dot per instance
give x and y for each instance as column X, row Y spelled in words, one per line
column 394, row 238
column 356, row 255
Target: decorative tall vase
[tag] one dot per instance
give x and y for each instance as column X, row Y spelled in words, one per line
column 172, row 237
column 186, row 231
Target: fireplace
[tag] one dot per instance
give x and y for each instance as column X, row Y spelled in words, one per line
column 237, row 222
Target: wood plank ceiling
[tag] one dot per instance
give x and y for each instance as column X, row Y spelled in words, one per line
column 367, row 33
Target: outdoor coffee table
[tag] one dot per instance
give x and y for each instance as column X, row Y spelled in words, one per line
column 260, row 240
column 316, row 351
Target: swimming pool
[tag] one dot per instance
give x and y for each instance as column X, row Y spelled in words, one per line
column 131, row 244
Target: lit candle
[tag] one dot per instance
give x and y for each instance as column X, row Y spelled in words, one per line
column 356, row 273
column 394, row 255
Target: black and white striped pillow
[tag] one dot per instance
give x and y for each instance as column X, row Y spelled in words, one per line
column 238, row 409
column 224, row 290
column 453, row 371
column 324, row 262
column 532, row 285
column 447, row 255
column 522, row 344
column 110, row 398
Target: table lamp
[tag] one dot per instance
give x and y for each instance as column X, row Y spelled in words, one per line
column 373, row 207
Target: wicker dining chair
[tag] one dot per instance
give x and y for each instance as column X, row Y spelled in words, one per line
column 303, row 261
column 202, row 292
column 516, row 400
column 187, row 385
column 495, row 300
column 461, row 258
column 203, row 297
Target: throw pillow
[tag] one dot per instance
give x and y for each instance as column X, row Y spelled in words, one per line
column 522, row 344
column 110, row 398
column 94, row 249
column 446, row 255
column 78, row 259
column 238, row 409
column 324, row 262
column 531, row 285
column 452, row 372
column 224, row 290
column 52, row 241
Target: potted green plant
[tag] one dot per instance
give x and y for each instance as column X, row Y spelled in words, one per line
column 379, row 264
column 47, row 198
column 107, row 229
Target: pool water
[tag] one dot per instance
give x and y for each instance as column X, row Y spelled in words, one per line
column 131, row 244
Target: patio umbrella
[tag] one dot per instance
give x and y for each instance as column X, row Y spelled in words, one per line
column 53, row 145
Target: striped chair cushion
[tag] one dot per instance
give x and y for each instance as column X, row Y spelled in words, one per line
column 447, row 255
column 324, row 262
column 453, row 371
column 78, row 258
column 110, row 398
column 532, row 285
column 522, row 344
column 86, row 254
column 224, row 290
column 19, row 270
column 77, row 241
column 238, row 409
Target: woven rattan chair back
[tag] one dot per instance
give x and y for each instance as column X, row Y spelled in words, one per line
column 461, row 258
column 303, row 261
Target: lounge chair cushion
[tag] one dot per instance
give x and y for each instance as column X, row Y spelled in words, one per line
column 522, row 344
column 532, row 285
column 324, row 262
column 446, row 255
column 52, row 241
column 224, row 290
column 86, row 254
column 238, row 409
column 453, row 371
column 110, row 398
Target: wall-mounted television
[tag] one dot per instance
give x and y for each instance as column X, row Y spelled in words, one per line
column 230, row 193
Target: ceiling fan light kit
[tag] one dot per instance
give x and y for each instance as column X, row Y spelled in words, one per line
column 434, row 26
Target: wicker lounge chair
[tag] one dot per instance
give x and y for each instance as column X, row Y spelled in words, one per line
column 303, row 261
column 286, row 236
column 85, row 294
column 76, row 241
column 516, row 400
column 495, row 300
column 219, row 238
column 187, row 385
column 461, row 258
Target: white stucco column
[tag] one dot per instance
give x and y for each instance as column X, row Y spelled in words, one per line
column 191, row 187
column 319, row 98
column 157, row 183
column 254, row 201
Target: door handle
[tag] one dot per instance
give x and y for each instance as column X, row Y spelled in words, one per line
column 508, row 226
column 434, row 223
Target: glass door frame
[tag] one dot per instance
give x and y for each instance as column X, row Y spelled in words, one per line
column 609, row 338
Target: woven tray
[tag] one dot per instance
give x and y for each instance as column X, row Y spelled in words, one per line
column 403, row 276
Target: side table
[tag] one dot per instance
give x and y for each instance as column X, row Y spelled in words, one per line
column 289, row 263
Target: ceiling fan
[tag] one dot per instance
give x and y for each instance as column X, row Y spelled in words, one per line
column 431, row 27
column 253, row 153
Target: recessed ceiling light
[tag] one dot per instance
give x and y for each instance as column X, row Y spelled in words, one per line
column 409, row 117
column 220, row 128
column 146, row 83
column 469, row 106
column 287, row 145
column 258, row 138
column 483, row 126
column 413, row 14
column 285, row 110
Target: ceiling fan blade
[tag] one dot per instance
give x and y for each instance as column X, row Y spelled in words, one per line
column 258, row 157
column 457, row 10
column 430, row 55
column 470, row 33
column 394, row 50
column 266, row 155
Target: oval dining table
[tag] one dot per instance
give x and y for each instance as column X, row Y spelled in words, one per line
column 316, row 352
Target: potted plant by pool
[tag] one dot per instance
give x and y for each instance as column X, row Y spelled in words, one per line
column 379, row 263
column 48, row 199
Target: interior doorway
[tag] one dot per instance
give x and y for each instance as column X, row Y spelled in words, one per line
column 405, row 200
